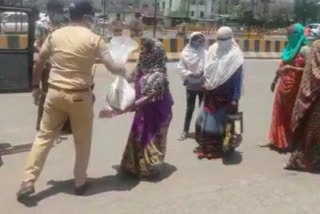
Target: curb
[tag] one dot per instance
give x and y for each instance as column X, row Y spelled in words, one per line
column 169, row 60
column 175, row 57
column 264, row 58
column 175, row 45
column 248, row 57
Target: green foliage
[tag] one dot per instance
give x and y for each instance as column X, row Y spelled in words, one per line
column 243, row 14
column 34, row 3
column 307, row 11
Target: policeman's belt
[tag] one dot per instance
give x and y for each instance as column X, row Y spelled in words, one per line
column 69, row 90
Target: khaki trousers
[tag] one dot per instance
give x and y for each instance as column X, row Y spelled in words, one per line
column 59, row 106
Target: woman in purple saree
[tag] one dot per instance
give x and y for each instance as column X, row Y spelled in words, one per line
column 146, row 147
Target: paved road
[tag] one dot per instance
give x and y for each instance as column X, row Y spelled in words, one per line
column 252, row 181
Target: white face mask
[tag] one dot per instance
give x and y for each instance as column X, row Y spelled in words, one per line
column 224, row 45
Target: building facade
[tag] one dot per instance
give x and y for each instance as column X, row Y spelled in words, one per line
column 127, row 8
column 197, row 9
column 176, row 8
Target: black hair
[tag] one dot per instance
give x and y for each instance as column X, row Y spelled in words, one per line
column 148, row 43
column 138, row 15
column 197, row 36
column 118, row 15
column 55, row 5
column 79, row 9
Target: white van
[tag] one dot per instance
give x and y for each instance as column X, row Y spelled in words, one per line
column 14, row 22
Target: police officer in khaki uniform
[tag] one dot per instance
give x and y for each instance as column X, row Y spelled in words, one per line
column 56, row 19
column 117, row 26
column 136, row 26
column 72, row 50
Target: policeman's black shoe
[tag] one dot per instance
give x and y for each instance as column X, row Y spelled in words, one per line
column 26, row 189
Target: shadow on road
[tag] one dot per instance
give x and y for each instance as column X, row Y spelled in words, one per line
column 96, row 186
column 8, row 149
column 192, row 135
column 232, row 159
column 118, row 182
column 3, row 146
column 166, row 170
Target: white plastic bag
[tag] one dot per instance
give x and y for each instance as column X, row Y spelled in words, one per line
column 121, row 47
column 121, row 94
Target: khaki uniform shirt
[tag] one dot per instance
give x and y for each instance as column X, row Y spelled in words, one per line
column 73, row 51
column 136, row 28
column 117, row 27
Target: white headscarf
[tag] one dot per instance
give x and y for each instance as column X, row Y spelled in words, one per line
column 194, row 57
column 224, row 59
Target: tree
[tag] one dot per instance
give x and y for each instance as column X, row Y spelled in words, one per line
column 306, row 10
column 11, row 2
column 32, row 3
column 243, row 14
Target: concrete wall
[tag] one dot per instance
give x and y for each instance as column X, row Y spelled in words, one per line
column 247, row 45
column 171, row 45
